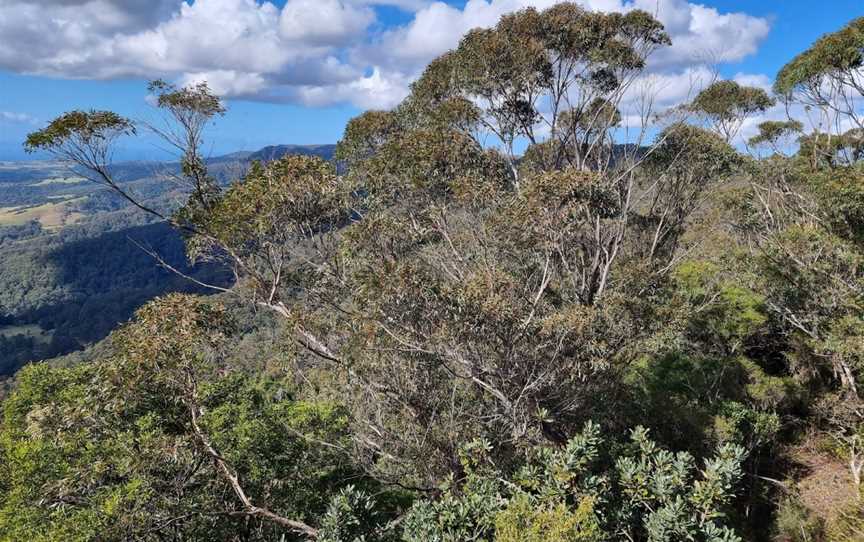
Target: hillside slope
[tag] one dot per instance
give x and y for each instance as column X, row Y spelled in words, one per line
column 71, row 268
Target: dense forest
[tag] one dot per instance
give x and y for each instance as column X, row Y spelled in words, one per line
column 571, row 334
column 78, row 285
column 63, row 289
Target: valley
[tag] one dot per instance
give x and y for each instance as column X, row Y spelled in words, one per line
column 71, row 263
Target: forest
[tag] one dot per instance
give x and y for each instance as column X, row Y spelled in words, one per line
column 523, row 305
column 65, row 288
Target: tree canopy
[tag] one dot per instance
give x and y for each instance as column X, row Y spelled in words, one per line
column 592, row 341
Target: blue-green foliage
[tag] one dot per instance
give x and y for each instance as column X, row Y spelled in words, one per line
column 646, row 493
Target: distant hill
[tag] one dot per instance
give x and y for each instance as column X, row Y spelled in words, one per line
column 239, row 156
column 274, row 152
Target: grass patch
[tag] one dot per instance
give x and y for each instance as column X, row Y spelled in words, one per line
column 52, row 215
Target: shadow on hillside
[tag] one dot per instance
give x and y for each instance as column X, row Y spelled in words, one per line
column 101, row 281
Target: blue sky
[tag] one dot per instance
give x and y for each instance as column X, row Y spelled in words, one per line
column 295, row 71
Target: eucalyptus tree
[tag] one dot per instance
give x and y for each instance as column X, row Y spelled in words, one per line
column 162, row 441
column 448, row 290
column 777, row 135
column 680, row 174
column 828, row 77
column 727, row 105
column 87, row 140
column 458, row 312
column 803, row 229
column 557, row 76
column 498, row 298
column 808, row 223
column 824, row 150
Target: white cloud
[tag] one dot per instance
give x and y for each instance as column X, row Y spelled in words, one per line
column 378, row 90
column 672, row 88
column 710, row 35
column 754, row 80
column 16, row 118
column 315, row 52
column 228, row 82
column 324, row 22
column 405, row 5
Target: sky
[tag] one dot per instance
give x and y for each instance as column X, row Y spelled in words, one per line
column 295, row 71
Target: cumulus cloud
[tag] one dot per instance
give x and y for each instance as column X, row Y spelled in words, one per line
column 703, row 34
column 314, row 52
column 110, row 14
column 324, row 22
column 378, row 90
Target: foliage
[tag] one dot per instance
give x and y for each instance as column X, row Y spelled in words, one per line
column 827, row 76
column 848, row 525
column 116, row 450
column 727, row 105
column 451, row 317
column 773, row 133
column 826, row 150
column 564, row 68
column 796, row 524
column 78, row 284
column 836, row 54
column 576, row 494
column 84, row 128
